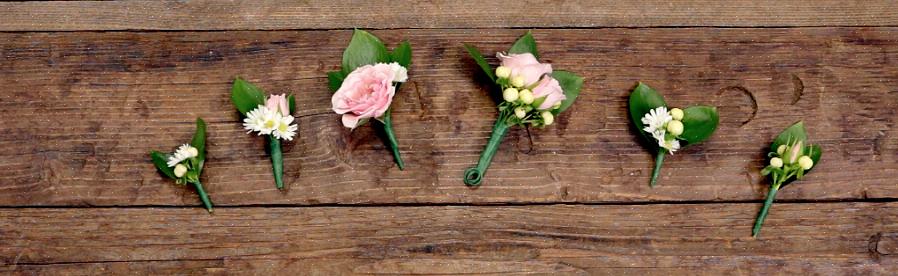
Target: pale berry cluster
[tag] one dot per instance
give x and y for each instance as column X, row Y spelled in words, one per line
column 665, row 126
column 531, row 94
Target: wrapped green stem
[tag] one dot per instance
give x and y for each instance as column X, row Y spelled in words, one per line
column 474, row 175
column 764, row 210
column 659, row 159
column 391, row 140
column 277, row 161
column 203, row 196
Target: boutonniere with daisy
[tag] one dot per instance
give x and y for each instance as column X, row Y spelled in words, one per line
column 668, row 130
column 369, row 77
column 791, row 157
column 270, row 117
column 185, row 165
column 532, row 94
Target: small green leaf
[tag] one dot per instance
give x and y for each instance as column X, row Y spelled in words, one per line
column 199, row 142
column 570, row 84
column 161, row 161
column 525, row 44
column 481, row 61
column 814, row 152
column 642, row 100
column 291, row 102
column 246, row 96
column 790, row 135
column 402, row 54
column 363, row 49
column 335, row 80
column 699, row 122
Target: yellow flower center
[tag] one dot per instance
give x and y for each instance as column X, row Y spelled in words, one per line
column 270, row 124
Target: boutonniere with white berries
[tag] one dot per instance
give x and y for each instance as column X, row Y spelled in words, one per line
column 369, row 77
column 791, row 157
column 185, row 165
column 668, row 130
column 532, row 94
column 270, row 117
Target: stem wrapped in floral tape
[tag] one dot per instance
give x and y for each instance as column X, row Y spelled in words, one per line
column 370, row 76
column 666, row 131
column 532, row 94
column 185, row 165
column 790, row 159
column 270, row 117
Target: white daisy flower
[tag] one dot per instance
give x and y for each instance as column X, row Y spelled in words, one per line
column 262, row 120
column 183, row 152
column 285, row 129
column 671, row 145
column 656, row 119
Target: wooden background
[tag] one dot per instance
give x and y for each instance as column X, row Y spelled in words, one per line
column 88, row 88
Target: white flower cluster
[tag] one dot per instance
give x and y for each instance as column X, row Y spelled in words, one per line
column 183, row 153
column 665, row 127
column 268, row 122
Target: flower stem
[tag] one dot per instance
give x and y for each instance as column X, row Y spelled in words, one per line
column 474, row 175
column 659, row 159
column 391, row 139
column 767, row 203
column 203, row 196
column 277, row 161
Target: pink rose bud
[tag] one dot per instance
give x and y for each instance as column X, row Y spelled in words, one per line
column 794, row 153
column 526, row 66
column 278, row 103
column 549, row 88
column 366, row 93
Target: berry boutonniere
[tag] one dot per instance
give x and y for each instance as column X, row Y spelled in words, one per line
column 270, row 117
column 369, row 77
column 185, row 165
column 668, row 130
column 791, row 157
column 532, row 94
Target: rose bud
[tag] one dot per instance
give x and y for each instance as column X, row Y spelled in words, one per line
column 510, row 94
column 805, row 162
column 180, row 170
column 526, row 96
column 776, row 162
column 793, row 153
column 677, row 114
column 503, row 72
column 525, row 66
column 520, row 112
column 548, row 118
column 675, row 127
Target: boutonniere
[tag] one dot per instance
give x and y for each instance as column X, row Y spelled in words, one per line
column 185, row 165
column 532, row 94
column 668, row 130
column 368, row 79
column 270, row 117
column 791, row 157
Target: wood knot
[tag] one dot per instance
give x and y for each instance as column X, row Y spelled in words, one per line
column 737, row 106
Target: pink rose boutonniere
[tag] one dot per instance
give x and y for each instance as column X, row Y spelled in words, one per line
column 270, row 117
column 532, row 94
column 369, row 78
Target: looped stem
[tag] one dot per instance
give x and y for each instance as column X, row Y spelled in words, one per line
column 277, row 161
column 474, row 175
column 203, row 196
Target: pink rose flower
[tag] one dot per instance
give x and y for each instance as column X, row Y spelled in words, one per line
column 525, row 65
column 278, row 103
column 366, row 93
column 548, row 87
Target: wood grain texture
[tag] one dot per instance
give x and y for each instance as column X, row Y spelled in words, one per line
column 83, row 110
column 318, row 14
column 713, row 239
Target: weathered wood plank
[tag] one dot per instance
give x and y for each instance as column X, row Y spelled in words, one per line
column 822, row 238
column 318, row 14
column 83, row 109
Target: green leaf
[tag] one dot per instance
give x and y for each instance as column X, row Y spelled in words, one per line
column 790, row 135
column 402, row 54
column 570, row 84
column 525, row 44
column 161, row 161
column 291, row 102
column 363, row 49
column 335, row 80
column 814, row 152
column 699, row 122
column 481, row 61
column 199, row 142
column 246, row 96
column 642, row 100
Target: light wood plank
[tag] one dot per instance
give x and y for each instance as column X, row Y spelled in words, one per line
column 317, row 14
